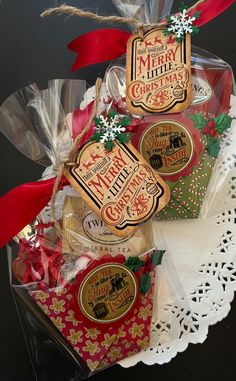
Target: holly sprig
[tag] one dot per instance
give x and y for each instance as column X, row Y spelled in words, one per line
column 181, row 23
column 109, row 127
column 212, row 129
column 136, row 264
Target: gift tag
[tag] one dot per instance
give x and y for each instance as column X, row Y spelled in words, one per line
column 120, row 186
column 158, row 73
column 107, row 293
column 170, row 144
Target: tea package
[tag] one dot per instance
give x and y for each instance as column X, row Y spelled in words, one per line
column 84, row 228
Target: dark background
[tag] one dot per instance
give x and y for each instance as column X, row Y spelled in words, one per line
column 33, row 49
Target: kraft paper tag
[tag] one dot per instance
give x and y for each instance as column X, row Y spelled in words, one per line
column 158, row 73
column 120, row 186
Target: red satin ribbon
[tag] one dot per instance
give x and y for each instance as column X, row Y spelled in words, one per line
column 210, row 9
column 22, row 204
column 108, row 44
column 98, row 46
column 80, row 119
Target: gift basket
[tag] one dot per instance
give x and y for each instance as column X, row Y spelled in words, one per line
column 138, row 165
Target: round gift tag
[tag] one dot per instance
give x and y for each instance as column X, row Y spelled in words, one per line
column 170, row 144
column 107, row 293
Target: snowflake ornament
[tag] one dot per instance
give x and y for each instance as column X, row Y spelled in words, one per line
column 182, row 23
column 111, row 127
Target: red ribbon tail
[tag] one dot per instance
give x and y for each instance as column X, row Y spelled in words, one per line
column 98, row 46
column 21, row 205
column 209, row 10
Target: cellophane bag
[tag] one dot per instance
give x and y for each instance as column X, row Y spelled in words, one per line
column 85, row 296
column 177, row 145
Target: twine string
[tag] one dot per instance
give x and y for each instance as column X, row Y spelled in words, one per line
column 73, row 11
column 141, row 27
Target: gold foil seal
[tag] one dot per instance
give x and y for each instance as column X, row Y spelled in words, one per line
column 168, row 146
column 107, row 293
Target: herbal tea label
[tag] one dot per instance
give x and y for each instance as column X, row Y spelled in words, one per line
column 107, row 293
column 120, row 186
column 158, row 73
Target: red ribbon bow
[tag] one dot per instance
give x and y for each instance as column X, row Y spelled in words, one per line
column 108, row 44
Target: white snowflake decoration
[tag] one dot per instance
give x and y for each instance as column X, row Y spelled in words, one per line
column 181, row 24
column 110, row 128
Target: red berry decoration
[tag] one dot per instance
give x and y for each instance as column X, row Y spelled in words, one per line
column 211, row 124
column 212, row 132
column 205, row 130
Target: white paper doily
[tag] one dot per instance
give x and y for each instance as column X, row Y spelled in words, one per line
column 197, row 279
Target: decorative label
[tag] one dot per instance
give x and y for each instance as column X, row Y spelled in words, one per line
column 201, row 90
column 107, row 293
column 96, row 229
column 120, row 186
column 158, row 73
column 168, row 146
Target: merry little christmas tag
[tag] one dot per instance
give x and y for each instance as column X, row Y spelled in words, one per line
column 158, row 71
column 120, row 186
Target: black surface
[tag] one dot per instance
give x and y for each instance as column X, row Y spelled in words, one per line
column 33, row 49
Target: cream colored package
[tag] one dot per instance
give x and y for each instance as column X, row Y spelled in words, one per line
column 82, row 227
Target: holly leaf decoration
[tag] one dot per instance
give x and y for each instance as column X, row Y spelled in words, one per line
column 179, row 39
column 112, row 113
column 96, row 136
column 195, row 29
column 111, row 126
column 134, row 263
column 156, row 257
column 145, row 283
column 124, row 137
column 108, row 145
column 97, row 121
column 223, row 122
column 197, row 14
column 199, row 121
column 125, row 122
column 213, row 147
column 169, row 19
column 182, row 6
